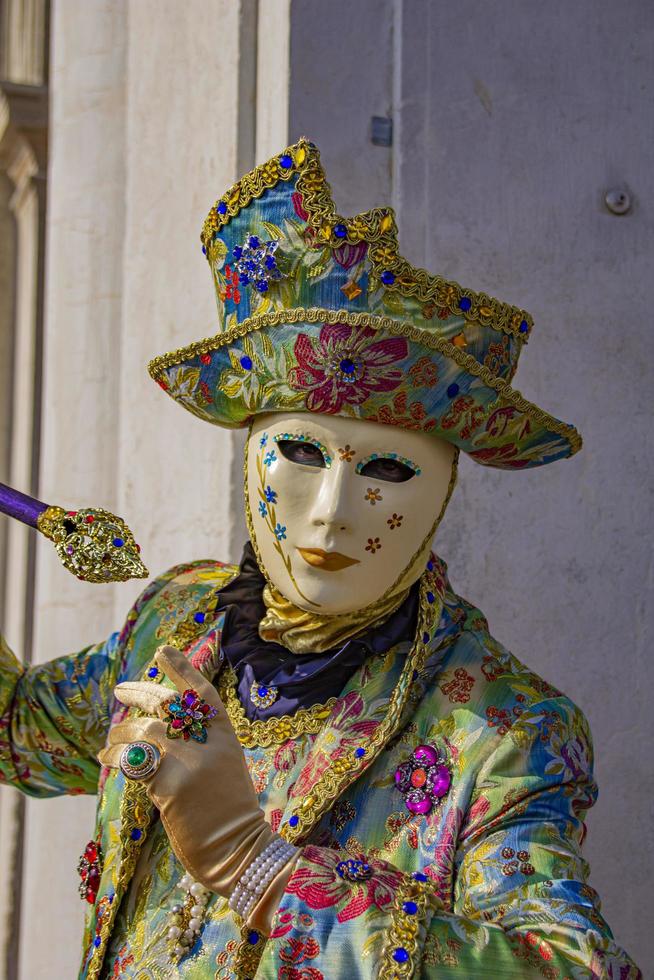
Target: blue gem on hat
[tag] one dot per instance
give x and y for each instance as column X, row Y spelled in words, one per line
column 286, row 161
column 221, row 207
column 453, row 390
column 255, row 263
column 465, row 303
column 388, row 277
column 246, row 362
column 340, row 231
column 263, row 695
column 524, row 327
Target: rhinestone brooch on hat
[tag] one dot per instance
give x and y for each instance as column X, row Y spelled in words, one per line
column 263, row 695
column 256, row 264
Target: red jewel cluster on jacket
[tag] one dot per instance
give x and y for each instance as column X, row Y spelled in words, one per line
column 424, row 779
column 89, row 869
column 189, row 716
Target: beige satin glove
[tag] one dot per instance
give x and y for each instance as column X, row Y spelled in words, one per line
column 203, row 791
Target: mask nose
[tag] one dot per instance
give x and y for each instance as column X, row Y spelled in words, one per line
column 332, row 508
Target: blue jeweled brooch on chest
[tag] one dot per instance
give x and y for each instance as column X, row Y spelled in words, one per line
column 263, row 695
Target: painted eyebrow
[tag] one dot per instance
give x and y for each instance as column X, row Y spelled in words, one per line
column 394, row 456
column 304, row 437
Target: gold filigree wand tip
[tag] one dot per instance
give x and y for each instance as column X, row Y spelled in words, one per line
column 93, row 544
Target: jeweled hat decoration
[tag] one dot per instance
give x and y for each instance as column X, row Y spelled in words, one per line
column 321, row 313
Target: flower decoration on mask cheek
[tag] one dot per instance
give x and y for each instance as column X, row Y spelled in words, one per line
column 373, row 496
column 345, row 365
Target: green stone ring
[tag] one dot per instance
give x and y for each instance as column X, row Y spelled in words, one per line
column 139, row 760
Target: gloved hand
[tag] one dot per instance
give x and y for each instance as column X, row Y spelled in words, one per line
column 203, row 791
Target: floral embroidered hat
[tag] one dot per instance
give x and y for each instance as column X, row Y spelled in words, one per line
column 320, row 313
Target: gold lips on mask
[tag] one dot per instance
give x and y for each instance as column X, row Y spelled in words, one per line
column 328, row 561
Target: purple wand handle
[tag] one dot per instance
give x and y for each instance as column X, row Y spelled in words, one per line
column 19, row 505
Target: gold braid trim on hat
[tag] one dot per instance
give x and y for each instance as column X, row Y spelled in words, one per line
column 377, row 227
column 401, row 328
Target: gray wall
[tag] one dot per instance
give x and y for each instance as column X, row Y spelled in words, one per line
column 511, row 121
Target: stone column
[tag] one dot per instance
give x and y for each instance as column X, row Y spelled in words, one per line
column 23, row 122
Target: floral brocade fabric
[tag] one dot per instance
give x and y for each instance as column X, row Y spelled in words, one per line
column 490, row 883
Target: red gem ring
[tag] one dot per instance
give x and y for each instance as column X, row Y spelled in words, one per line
column 188, row 716
column 138, row 760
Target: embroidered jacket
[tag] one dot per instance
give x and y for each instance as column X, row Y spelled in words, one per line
column 490, row 883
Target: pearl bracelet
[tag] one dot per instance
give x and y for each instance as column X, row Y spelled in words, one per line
column 259, row 874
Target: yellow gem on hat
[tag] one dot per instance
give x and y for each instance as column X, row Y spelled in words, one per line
column 351, row 290
column 386, row 223
column 485, row 310
column 300, row 155
column 460, row 340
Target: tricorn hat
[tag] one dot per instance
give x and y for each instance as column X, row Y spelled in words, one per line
column 320, row 313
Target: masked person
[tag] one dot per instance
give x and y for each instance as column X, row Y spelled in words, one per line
column 320, row 764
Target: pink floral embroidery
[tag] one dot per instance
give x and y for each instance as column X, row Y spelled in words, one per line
column 298, row 206
column 441, row 869
column 317, row 883
column 345, row 365
column 203, row 656
column 348, row 255
column 501, row 456
column 275, row 819
column 342, row 734
column 298, row 950
column 285, row 756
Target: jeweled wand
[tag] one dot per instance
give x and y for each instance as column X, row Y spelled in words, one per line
column 92, row 543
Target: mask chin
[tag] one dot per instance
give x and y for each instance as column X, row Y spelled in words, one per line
column 342, row 512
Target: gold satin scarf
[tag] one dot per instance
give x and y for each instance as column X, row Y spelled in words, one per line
column 308, row 632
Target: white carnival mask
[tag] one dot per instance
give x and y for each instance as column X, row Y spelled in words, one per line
column 342, row 510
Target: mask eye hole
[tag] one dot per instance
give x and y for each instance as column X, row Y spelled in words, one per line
column 305, row 453
column 392, row 468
